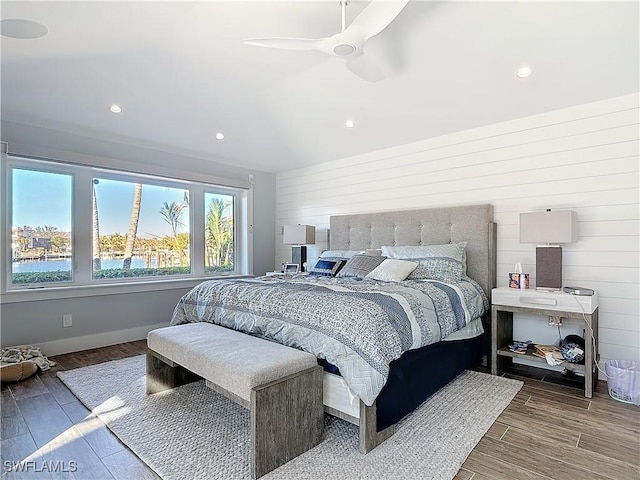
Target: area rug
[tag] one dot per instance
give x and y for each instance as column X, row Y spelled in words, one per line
column 192, row 432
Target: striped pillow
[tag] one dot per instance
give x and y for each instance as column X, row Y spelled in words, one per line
column 361, row 265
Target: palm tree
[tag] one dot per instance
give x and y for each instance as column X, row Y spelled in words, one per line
column 133, row 226
column 46, row 231
column 171, row 213
column 97, row 263
column 219, row 233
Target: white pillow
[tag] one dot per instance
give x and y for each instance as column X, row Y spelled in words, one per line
column 392, row 270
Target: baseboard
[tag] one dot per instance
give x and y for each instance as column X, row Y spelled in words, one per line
column 86, row 342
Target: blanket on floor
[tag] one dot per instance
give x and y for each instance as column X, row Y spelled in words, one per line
column 25, row 352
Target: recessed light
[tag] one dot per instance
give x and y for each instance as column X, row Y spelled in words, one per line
column 115, row 108
column 23, row 29
column 349, row 124
column 524, row 72
column 220, row 136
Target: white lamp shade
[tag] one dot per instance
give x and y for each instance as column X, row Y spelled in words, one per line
column 558, row 226
column 299, row 235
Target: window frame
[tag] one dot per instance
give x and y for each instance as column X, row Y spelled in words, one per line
column 125, row 177
column 82, row 176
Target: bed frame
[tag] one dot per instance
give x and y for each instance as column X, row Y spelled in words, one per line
column 470, row 223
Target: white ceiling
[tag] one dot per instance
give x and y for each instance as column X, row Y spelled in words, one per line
column 181, row 73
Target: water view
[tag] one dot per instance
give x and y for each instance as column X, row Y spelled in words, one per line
column 64, row 265
column 154, row 220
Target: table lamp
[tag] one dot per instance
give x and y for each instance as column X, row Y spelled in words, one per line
column 299, row 236
column 552, row 228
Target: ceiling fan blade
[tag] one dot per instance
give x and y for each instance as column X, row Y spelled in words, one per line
column 286, row 43
column 364, row 67
column 377, row 16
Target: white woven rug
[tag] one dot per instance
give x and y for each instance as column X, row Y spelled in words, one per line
column 192, row 432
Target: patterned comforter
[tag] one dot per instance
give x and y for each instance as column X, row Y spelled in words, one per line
column 360, row 326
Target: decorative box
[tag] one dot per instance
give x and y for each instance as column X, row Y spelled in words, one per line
column 519, row 280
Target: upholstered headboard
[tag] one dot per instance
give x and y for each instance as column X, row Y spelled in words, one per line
column 470, row 223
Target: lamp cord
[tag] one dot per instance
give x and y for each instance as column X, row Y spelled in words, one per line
column 593, row 341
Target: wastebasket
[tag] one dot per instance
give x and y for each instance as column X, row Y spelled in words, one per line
column 623, row 380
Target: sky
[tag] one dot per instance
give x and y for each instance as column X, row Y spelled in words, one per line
column 42, row 198
column 115, row 200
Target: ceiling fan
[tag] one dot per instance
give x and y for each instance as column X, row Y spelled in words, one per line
column 349, row 43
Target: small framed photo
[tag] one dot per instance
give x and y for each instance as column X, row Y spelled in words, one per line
column 291, row 268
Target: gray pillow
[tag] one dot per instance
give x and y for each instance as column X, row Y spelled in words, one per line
column 360, row 265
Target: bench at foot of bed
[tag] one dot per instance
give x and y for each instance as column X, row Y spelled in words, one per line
column 281, row 386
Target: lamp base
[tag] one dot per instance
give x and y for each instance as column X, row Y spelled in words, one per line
column 299, row 256
column 549, row 267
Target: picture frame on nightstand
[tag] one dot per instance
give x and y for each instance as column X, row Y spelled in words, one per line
column 291, row 268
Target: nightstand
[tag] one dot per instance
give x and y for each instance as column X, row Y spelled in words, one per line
column 572, row 308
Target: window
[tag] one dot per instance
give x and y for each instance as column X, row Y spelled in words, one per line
column 79, row 225
column 153, row 240
column 41, row 232
column 219, row 233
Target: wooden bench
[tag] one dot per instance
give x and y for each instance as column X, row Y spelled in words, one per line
column 282, row 386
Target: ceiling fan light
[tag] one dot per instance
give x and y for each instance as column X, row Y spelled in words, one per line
column 375, row 17
column 344, row 49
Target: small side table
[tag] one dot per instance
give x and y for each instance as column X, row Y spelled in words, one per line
column 507, row 301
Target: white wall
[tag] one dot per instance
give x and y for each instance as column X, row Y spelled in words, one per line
column 582, row 158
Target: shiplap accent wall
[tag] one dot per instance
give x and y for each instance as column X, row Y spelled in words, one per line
column 583, row 158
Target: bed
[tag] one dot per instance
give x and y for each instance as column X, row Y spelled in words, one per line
column 386, row 346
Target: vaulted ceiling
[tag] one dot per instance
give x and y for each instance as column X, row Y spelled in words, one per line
column 181, row 73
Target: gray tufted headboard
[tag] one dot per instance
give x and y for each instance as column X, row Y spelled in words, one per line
column 470, row 223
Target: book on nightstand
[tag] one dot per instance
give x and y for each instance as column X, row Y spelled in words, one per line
column 542, row 350
column 551, row 353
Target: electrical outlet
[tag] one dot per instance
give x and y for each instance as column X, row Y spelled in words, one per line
column 67, row 320
column 555, row 321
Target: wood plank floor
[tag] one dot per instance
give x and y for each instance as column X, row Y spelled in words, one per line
column 44, row 423
column 548, row 431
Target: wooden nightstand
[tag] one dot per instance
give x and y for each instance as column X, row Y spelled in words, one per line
column 572, row 308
